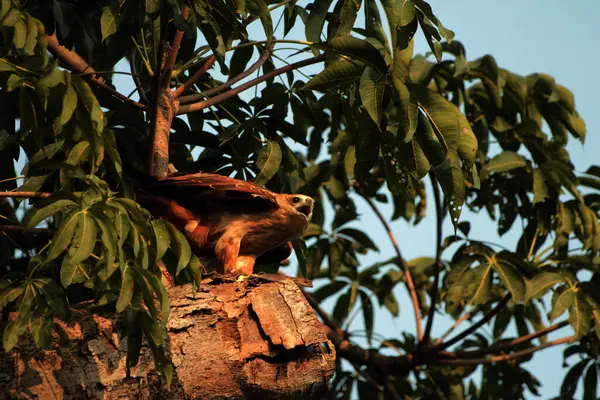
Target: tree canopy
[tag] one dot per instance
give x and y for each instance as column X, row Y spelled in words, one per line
column 213, row 93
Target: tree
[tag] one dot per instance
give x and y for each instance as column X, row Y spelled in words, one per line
column 386, row 119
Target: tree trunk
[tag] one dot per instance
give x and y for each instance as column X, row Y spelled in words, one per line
column 226, row 341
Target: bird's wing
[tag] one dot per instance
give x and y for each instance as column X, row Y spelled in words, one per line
column 218, row 192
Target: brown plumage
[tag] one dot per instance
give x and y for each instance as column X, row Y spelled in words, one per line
column 230, row 221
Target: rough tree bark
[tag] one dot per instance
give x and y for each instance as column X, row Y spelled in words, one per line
column 251, row 340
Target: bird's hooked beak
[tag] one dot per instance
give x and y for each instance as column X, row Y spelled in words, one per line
column 305, row 206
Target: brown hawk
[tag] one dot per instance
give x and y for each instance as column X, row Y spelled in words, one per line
column 229, row 222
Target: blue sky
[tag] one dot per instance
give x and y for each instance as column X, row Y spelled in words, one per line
column 526, row 36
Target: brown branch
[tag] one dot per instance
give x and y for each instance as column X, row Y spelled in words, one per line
column 199, row 96
column 165, row 104
column 358, row 355
column 486, row 318
column 459, row 321
column 502, row 357
column 509, row 344
column 439, row 211
column 173, row 52
column 29, row 195
column 19, row 229
column 78, row 65
column 327, row 320
column 187, row 108
column 409, row 282
column 194, row 78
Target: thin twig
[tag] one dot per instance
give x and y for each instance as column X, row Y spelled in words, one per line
column 459, row 321
column 28, row 195
column 486, row 318
column 77, row 64
column 187, row 108
column 409, row 282
column 503, row 357
column 509, row 344
column 20, row 229
column 438, row 255
column 173, row 52
column 207, row 93
column 194, row 78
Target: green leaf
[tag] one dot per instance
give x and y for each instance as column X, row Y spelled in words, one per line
column 4, row 8
column 569, row 385
column 18, row 326
column 482, row 284
column 443, row 115
column 90, row 103
column 69, row 104
column 84, row 238
column 540, row 190
column 38, row 215
column 356, row 49
column 108, row 20
column 503, row 162
column 181, row 247
column 109, row 241
column 580, row 316
column 539, row 285
column 452, row 181
column 239, row 60
column 433, row 146
column 373, row 24
column 63, row 235
column 163, row 239
column 126, row 292
column 391, row 304
column 367, row 310
column 426, row 9
column 259, row 8
column 372, row 89
column 79, row 153
column 590, row 383
column 268, row 162
column 338, row 73
column 329, row 289
column 561, row 303
column 511, row 278
column 301, row 252
column 316, row 20
column 408, row 111
column 359, row 237
column 350, row 161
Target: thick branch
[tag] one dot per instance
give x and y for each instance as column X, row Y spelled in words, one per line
column 486, row 318
column 184, row 109
column 409, row 282
column 172, row 56
column 78, row 65
column 194, row 78
column 199, row 96
column 503, row 357
column 327, row 320
column 28, row 195
column 439, row 212
column 358, row 355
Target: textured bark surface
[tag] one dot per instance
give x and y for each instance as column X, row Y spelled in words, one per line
column 250, row 340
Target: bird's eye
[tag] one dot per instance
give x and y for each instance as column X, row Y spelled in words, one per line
column 296, row 200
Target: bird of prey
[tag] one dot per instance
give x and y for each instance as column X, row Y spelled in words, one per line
column 228, row 221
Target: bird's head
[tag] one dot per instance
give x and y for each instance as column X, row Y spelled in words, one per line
column 300, row 203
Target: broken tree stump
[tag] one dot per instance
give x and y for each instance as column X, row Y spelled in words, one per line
column 237, row 340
